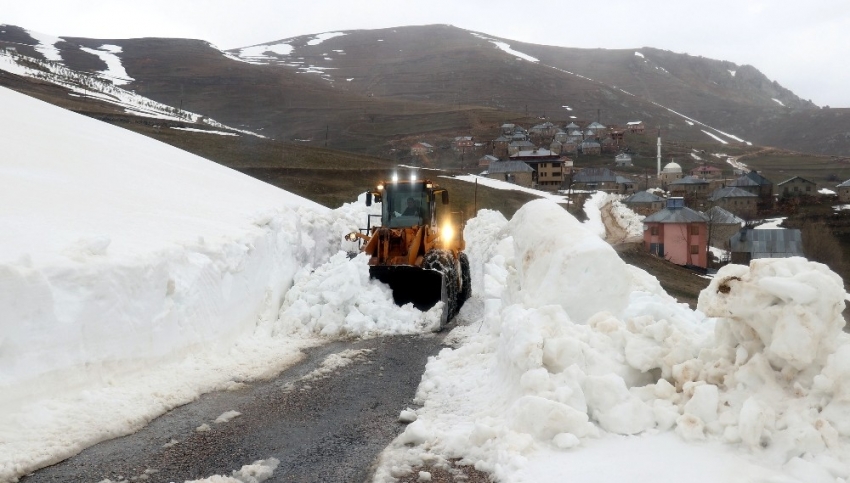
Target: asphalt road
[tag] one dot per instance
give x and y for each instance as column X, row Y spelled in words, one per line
column 327, row 429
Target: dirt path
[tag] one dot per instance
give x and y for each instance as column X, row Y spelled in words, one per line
column 614, row 233
column 322, row 429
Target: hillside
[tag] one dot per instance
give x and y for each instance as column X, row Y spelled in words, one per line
column 359, row 90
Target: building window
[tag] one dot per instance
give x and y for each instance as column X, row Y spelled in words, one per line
column 694, row 249
column 808, row 188
column 694, row 229
column 653, row 230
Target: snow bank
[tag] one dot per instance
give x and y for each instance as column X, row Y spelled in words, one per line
column 133, row 277
column 577, row 350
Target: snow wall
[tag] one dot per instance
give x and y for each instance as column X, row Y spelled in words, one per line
column 129, row 270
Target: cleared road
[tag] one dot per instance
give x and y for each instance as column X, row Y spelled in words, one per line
column 322, row 429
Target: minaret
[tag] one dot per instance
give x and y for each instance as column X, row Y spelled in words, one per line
column 659, row 152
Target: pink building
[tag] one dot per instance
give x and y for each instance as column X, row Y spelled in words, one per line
column 678, row 234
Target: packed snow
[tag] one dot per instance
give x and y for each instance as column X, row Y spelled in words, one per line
column 778, row 101
column 827, row 191
column 638, row 54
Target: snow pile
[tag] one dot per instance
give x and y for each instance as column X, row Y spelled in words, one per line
column 338, row 299
column 576, row 348
column 781, row 360
column 256, row 472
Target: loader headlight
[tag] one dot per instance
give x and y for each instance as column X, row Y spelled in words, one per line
column 395, row 177
column 351, row 237
column 448, row 232
column 381, row 187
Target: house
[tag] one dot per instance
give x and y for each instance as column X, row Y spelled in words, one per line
column 707, row 172
column 548, row 167
column 485, row 160
column 556, row 147
column 516, row 146
column 508, row 129
column 644, row 203
column 545, row 129
column 765, row 189
column 569, row 147
column 748, row 244
column 609, row 145
column 678, row 234
column 500, row 146
column 572, row 126
column 844, row 192
column 623, row 159
column 596, row 128
column 421, row 148
column 746, row 183
column 693, row 189
column 515, row 172
column 671, row 172
column 797, row 186
column 635, row 127
column 462, row 143
column 740, row 202
column 561, row 137
column 601, row 179
column 618, row 135
column 721, row 226
column 590, row 146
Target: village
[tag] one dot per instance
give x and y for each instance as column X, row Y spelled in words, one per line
column 699, row 218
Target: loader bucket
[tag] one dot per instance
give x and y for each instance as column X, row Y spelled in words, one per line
column 422, row 287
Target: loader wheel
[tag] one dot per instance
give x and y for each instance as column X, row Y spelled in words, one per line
column 465, row 281
column 443, row 262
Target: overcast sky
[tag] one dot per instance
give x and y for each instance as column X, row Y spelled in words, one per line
column 802, row 45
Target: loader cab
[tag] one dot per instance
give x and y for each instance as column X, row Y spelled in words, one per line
column 406, row 204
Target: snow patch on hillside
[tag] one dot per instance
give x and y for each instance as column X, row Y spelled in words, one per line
column 46, row 45
column 318, row 39
column 114, row 68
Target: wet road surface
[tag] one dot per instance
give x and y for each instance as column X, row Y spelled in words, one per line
column 326, row 429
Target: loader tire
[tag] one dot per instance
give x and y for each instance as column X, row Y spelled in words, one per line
column 443, row 262
column 465, row 281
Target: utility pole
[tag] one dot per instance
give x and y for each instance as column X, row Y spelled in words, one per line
column 327, row 130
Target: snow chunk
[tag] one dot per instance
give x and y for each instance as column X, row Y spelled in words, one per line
column 562, row 263
column 638, row 54
column 115, row 71
column 788, row 309
column 227, row 416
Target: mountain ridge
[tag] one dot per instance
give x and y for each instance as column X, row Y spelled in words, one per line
column 338, row 83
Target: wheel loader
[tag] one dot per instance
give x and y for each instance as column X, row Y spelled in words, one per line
column 417, row 249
